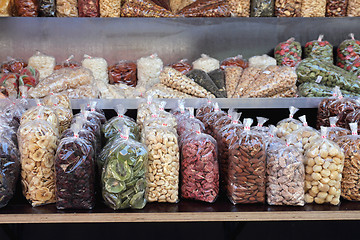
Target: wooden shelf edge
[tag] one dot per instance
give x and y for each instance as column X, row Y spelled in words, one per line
column 179, row 217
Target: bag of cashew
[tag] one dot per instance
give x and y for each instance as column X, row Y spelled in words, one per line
column 123, row 175
column 288, row 125
column 162, row 175
column 285, row 175
column 37, row 145
column 324, row 163
column 199, row 167
column 247, row 167
column 334, row 132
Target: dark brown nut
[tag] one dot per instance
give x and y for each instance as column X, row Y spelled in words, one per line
column 336, row 8
column 209, row 120
column 123, row 72
column 246, row 169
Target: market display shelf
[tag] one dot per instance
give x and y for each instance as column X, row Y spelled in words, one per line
column 240, row 103
column 184, row 211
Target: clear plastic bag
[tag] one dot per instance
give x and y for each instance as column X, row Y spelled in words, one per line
column 304, row 137
column 26, row 8
column 262, row 61
column 232, row 79
column 144, row 8
column 324, row 162
column 199, row 167
column 68, row 63
column 262, row 8
column 247, row 167
column 47, row 8
column 162, row 175
column 45, row 113
column 209, row 106
column 111, row 127
column 353, row 9
column 288, row 53
column 29, row 78
column 207, row 8
column 98, row 112
column 148, row 70
column 144, row 109
column 350, row 144
column 182, row 66
column 222, row 121
column 310, row 8
column 162, row 91
column 237, row 61
column 260, row 125
column 62, row 80
column 204, row 80
column 43, row 63
column 336, row 8
column 89, row 122
column 110, row 8
column 335, row 132
column 67, row 8
column 285, row 175
column 206, row 63
column 13, row 65
column 82, row 92
column 123, row 175
column 287, row 8
column 323, row 113
column 319, row 49
column 288, row 125
column 226, row 136
column 211, row 117
column 246, row 80
column 239, row 8
column 98, row 66
column 9, row 170
column 9, row 85
column 6, row 8
column 189, row 124
column 12, row 111
column 159, row 117
column 174, row 79
column 37, row 145
column 88, row 8
column 180, row 112
column 348, row 52
column 123, row 72
column 319, row 90
column 75, row 173
column 218, row 77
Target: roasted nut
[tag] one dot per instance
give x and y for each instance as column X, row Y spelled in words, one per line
column 287, row 8
column 310, row 8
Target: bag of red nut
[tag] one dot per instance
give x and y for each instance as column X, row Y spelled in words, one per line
column 211, row 117
column 227, row 136
column 89, row 8
column 180, row 112
column 183, row 66
column 285, row 175
column 247, row 167
column 334, row 132
column 75, row 173
column 188, row 125
column 204, row 109
column 199, row 167
column 123, row 72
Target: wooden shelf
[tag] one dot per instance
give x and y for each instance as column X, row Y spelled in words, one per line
column 184, row 211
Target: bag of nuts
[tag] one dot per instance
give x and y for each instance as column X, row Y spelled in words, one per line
column 89, row 122
column 223, row 121
column 162, row 175
column 207, row 8
column 10, row 167
column 336, row 8
column 226, row 136
column 123, row 72
column 75, row 173
column 262, row 8
column 89, row 8
column 288, row 125
column 353, row 9
column 179, row 112
column 287, row 8
column 304, row 137
column 211, row 117
column 98, row 112
column 310, row 8
column 324, row 162
column 247, row 167
column 285, row 175
column 335, row 132
column 199, row 167
column 350, row 144
column 37, row 145
column 323, row 113
column 260, row 125
column 232, row 79
column 204, row 109
column 188, row 125
column 144, row 8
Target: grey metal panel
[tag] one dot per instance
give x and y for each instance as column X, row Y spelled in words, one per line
column 172, row 39
column 242, row 103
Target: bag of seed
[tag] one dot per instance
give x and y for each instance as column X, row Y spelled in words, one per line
column 353, row 8
column 144, row 8
column 211, row 8
column 285, row 175
column 204, row 80
column 335, row 132
column 288, row 125
column 247, row 167
column 347, row 52
column 199, row 167
column 350, row 144
column 67, row 8
column 75, row 173
column 324, row 162
column 47, row 8
column 262, row 8
column 89, row 8
column 288, row 53
column 319, row 49
column 123, row 175
column 10, row 167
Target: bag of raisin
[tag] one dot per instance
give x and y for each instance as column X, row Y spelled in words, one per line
column 199, row 167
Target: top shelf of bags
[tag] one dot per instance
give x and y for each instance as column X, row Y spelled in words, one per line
column 171, row 38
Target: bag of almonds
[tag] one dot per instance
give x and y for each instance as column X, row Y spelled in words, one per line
column 288, row 125
column 119, row 121
column 37, row 145
column 221, row 122
column 324, row 162
column 304, row 137
column 162, row 175
column 334, row 132
column 204, row 109
column 75, row 173
column 285, row 175
column 287, row 8
column 350, row 144
column 247, row 167
column 123, row 175
column 199, row 167
column 227, row 135
column 211, row 117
